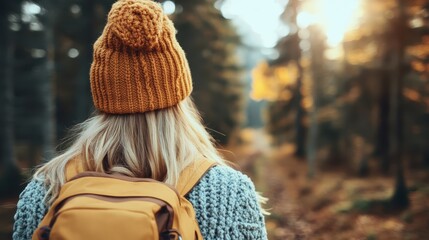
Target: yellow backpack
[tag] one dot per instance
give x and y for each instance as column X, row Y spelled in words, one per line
column 94, row 206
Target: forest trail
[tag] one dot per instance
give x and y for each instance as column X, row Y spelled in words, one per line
column 335, row 204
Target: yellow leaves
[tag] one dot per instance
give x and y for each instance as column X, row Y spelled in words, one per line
column 286, row 75
column 366, row 43
column 415, row 96
column 270, row 82
column 307, row 102
column 263, row 83
column 361, row 56
column 420, row 51
column 412, row 95
column 418, row 66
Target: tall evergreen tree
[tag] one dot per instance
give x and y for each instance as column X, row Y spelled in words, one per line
column 73, row 58
column 400, row 195
column 9, row 171
column 317, row 41
column 210, row 43
column 289, row 51
column 35, row 107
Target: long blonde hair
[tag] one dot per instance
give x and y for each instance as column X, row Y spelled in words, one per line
column 157, row 144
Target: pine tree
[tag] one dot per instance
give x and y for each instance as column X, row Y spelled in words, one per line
column 317, row 41
column 391, row 63
column 400, row 195
column 416, row 87
column 210, row 43
column 35, row 120
column 289, row 51
column 10, row 177
column 73, row 57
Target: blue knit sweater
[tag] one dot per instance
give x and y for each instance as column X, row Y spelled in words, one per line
column 224, row 200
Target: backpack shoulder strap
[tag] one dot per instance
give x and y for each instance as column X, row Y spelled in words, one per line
column 73, row 167
column 188, row 178
column 192, row 174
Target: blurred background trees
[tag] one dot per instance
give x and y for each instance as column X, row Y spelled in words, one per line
column 9, row 171
column 356, row 76
column 46, row 56
column 211, row 44
column 346, row 88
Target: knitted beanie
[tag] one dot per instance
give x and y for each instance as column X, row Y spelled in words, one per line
column 138, row 64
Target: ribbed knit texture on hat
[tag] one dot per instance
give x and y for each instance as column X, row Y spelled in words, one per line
column 138, row 64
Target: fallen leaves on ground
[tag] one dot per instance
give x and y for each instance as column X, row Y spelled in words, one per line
column 334, row 204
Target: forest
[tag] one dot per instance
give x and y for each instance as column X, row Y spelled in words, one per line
column 332, row 126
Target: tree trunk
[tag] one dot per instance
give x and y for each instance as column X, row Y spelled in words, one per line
column 10, row 178
column 400, row 196
column 83, row 94
column 382, row 147
column 299, row 124
column 425, row 147
column 317, row 61
column 210, row 42
column 47, row 83
column 6, row 88
column 35, row 106
column 72, row 71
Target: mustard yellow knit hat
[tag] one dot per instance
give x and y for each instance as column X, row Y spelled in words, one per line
column 138, row 64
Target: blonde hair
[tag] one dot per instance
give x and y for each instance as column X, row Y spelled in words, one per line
column 157, row 144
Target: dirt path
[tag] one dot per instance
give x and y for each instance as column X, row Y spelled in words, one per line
column 334, row 204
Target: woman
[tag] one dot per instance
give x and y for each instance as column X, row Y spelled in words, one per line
column 146, row 126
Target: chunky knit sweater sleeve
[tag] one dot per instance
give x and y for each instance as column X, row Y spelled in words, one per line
column 30, row 210
column 225, row 203
column 226, row 206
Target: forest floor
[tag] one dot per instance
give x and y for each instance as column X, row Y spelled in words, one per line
column 7, row 210
column 333, row 204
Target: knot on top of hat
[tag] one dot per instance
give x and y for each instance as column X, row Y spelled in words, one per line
column 137, row 23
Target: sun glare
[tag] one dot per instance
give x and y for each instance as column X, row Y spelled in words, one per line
column 262, row 17
column 336, row 17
